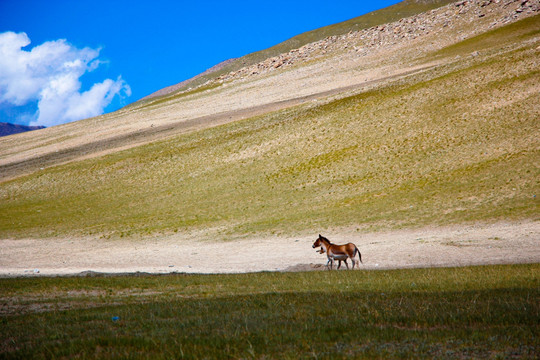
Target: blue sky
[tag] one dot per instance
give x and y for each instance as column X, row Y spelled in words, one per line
column 61, row 61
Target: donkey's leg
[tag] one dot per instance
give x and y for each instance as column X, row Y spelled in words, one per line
column 354, row 261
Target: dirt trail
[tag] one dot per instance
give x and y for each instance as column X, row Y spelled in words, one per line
column 500, row 243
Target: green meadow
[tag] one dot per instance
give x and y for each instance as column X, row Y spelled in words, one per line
column 444, row 313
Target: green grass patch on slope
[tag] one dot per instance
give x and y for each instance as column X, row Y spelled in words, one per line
column 513, row 33
column 472, row 312
column 461, row 146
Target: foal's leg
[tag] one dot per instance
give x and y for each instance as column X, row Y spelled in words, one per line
column 346, row 264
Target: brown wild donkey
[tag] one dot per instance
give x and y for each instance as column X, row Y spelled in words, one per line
column 322, row 251
column 337, row 252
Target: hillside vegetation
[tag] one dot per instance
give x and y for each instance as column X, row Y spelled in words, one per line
column 453, row 140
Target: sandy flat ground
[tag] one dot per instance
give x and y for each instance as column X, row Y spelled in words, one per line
column 499, row 243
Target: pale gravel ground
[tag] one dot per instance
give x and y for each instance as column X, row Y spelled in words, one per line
column 500, row 243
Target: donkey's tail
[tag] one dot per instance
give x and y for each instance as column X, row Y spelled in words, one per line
column 359, row 255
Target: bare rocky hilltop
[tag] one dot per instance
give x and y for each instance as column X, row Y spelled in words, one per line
column 466, row 18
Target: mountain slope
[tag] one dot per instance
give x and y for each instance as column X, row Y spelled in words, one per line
column 429, row 120
column 353, row 60
column 10, row 129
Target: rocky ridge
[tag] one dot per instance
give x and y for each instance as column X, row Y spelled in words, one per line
column 172, row 88
column 472, row 14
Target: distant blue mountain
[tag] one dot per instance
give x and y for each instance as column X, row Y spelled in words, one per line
column 8, row 129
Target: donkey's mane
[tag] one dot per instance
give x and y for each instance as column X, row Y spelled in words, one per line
column 323, row 238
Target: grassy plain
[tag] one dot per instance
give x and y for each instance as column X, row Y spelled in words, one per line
column 472, row 312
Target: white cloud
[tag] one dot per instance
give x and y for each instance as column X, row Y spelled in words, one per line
column 49, row 75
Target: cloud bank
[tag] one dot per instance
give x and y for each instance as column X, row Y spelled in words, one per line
column 49, row 75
